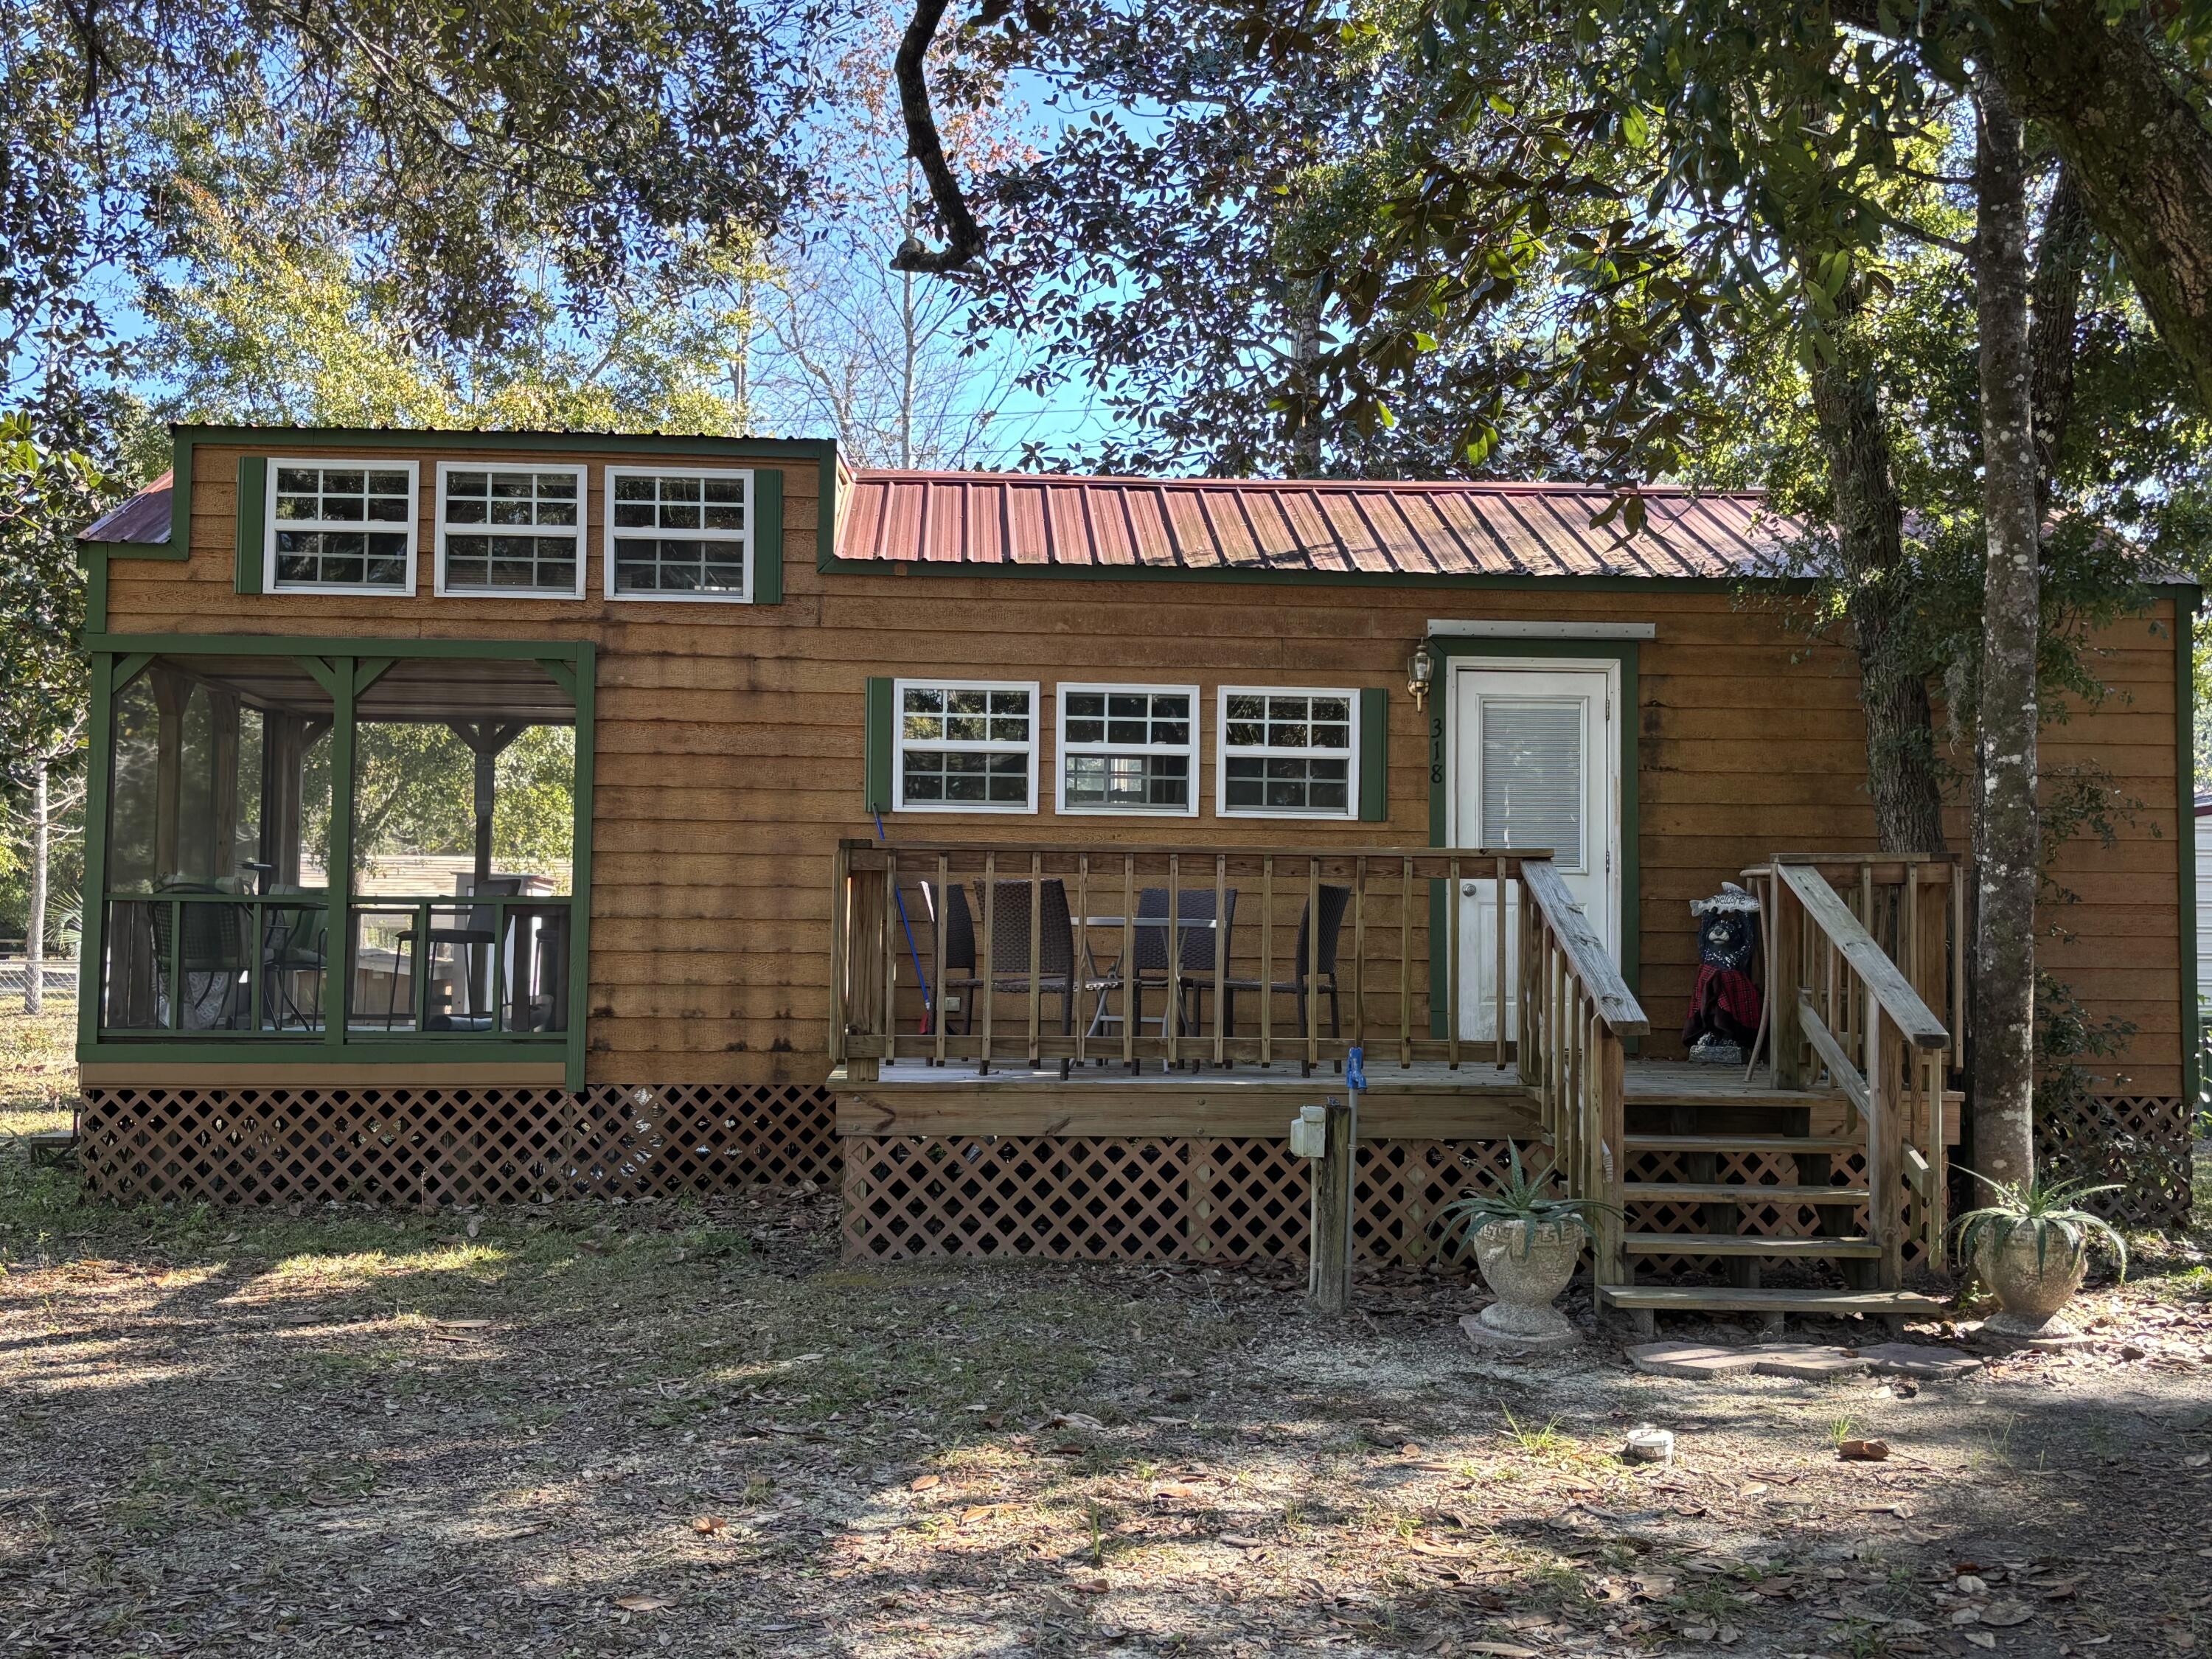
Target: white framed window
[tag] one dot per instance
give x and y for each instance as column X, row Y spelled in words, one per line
column 1130, row 750
column 1287, row 752
column 964, row 746
column 514, row 531
column 678, row 532
column 340, row 527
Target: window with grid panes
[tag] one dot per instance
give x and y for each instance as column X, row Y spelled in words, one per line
column 677, row 534
column 342, row 523
column 966, row 747
column 511, row 530
column 1288, row 752
column 1127, row 749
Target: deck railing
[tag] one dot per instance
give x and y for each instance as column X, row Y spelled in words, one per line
column 1842, row 1005
column 1251, row 984
column 1575, row 1009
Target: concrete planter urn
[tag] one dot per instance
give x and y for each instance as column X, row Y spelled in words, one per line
column 2031, row 1247
column 1526, row 1237
column 1527, row 1264
column 2032, row 1275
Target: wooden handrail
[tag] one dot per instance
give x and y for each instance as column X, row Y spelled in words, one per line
column 1867, row 960
column 1586, row 954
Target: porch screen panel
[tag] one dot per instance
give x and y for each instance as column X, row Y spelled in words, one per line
column 1532, row 776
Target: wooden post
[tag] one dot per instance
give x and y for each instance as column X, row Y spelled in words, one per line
column 1328, row 1248
column 1785, row 953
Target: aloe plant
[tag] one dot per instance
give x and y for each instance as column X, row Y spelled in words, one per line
column 2049, row 1206
column 1521, row 1196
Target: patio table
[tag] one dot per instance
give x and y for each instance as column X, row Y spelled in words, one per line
column 1099, row 1017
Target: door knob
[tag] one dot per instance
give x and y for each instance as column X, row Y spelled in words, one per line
column 1466, row 890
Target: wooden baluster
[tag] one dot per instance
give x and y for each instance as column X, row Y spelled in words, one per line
column 1406, row 962
column 1785, row 960
column 891, row 957
column 1079, row 968
column 1359, row 950
column 938, row 1018
column 1220, row 954
column 1451, row 970
column 1266, row 959
column 1883, row 1155
column 1310, row 969
column 841, row 948
column 988, row 989
column 1613, row 1130
column 1497, row 1031
column 1036, row 942
column 1171, row 1016
column 1129, row 962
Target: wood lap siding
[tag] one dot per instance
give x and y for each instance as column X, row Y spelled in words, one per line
column 730, row 756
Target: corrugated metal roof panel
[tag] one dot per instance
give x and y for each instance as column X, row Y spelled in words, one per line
column 144, row 518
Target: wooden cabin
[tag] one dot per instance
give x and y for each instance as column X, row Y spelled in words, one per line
column 488, row 817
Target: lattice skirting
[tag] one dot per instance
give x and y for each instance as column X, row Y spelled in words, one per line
column 452, row 1145
column 1191, row 1199
column 1159, row 1198
column 2139, row 1141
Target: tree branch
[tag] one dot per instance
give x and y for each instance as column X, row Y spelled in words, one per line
column 964, row 237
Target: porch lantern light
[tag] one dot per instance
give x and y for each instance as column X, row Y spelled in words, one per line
column 1420, row 669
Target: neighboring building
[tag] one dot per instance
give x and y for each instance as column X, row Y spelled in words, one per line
column 1109, row 685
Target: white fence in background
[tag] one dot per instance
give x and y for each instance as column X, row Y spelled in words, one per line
column 59, row 977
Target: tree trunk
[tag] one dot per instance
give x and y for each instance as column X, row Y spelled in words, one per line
column 1305, row 298
column 1900, row 724
column 2061, row 256
column 2140, row 152
column 2006, row 715
column 34, row 940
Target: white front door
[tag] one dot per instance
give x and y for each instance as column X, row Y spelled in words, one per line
column 1536, row 755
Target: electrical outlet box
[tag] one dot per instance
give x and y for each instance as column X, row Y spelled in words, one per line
column 1310, row 1133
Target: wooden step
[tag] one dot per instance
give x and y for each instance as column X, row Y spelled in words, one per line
column 1718, row 1192
column 1800, row 1143
column 1761, row 1099
column 1745, row 1244
column 1726, row 1298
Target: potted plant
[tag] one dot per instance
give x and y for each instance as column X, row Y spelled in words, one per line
column 2031, row 1247
column 1527, row 1239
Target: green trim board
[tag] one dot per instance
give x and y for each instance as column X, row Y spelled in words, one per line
column 1373, row 754
column 1621, row 652
column 880, row 798
column 344, row 668
column 2184, row 790
column 251, row 514
column 767, row 536
column 92, row 949
column 583, row 690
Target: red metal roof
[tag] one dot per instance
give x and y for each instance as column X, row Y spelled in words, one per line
column 142, row 518
column 1321, row 525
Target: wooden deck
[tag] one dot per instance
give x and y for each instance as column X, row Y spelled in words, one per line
column 1428, row 1098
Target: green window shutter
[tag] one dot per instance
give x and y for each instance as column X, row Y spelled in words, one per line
column 1374, row 756
column 879, row 745
column 252, row 519
column 767, row 536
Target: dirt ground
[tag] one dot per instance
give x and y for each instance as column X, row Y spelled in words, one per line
column 690, row 1430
